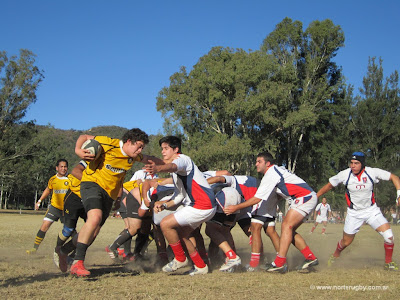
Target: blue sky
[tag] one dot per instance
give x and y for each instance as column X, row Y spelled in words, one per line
column 105, row 61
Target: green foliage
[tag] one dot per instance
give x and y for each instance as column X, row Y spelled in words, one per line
column 18, row 83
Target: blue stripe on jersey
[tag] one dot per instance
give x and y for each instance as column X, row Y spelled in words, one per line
column 187, row 184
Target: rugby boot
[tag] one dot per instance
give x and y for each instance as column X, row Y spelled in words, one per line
column 392, row 266
column 60, row 259
column 174, row 265
column 78, row 269
column 308, row 263
column 230, row 264
column 252, row 269
column 198, row 271
column 113, row 254
column 31, row 251
column 274, row 269
column 331, row 260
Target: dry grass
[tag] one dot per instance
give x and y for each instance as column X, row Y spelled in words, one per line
column 36, row 277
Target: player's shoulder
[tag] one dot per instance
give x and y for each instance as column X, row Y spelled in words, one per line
column 106, row 140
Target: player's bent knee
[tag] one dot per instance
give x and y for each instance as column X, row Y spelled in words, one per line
column 387, row 236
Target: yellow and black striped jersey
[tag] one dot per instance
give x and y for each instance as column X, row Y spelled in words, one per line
column 109, row 170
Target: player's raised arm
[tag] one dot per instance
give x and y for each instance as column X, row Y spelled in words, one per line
column 153, row 168
column 326, row 188
column 216, row 179
column 396, row 182
column 233, row 208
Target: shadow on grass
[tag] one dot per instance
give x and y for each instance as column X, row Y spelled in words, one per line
column 96, row 273
column 22, row 280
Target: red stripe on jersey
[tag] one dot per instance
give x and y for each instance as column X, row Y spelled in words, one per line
column 248, row 192
column 200, row 197
column 296, row 190
column 349, row 204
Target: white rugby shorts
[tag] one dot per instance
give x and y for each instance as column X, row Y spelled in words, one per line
column 157, row 217
column 356, row 218
column 193, row 217
column 305, row 205
column 321, row 219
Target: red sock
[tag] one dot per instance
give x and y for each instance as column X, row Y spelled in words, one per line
column 388, row 252
column 230, row 254
column 279, row 261
column 307, row 253
column 178, row 251
column 323, row 230
column 339, row 249
column 312, row 229
column 255, row 259
column 197, row 260
column 204, row 256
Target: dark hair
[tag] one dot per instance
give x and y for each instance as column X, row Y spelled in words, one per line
column 267, row 157
column 134, row 135
column 61, row 160
column 172, row 141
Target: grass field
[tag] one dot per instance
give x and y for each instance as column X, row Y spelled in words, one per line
column 359, row 274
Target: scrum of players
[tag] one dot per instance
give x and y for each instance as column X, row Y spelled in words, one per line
column 172, row 210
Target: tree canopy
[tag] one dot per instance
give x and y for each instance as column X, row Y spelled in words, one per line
column 289, row 98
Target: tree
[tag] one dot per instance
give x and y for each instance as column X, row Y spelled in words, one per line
column 219, row 104
column 19, row 81
column 314, row 89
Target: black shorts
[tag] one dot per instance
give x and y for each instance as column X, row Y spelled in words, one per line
column 223, row 220
column 95, row 197
column 264, row 220
column 73, row 209
column 54, row 214
column 244, row 223
column 131, row 208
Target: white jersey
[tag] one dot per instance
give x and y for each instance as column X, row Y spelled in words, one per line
column 247, row 186
column 191, row 184
column 284, row 183
column 360, row 188
column 323, row 210
column 142, row 175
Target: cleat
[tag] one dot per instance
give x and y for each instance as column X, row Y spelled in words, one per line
column 392, row 266
column 113, row 254
column 252, row 269
column 308, row 263
column 174, row 265
column 60, row 259
column 31, row 251
column 274, row 269
column 198, row 271
column 331, row 260
column 79, row 269
column 128, row 257
column 230, row 264
column 121, row 251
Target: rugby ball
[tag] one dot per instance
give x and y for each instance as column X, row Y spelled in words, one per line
column 94, row 147
column 228, row 196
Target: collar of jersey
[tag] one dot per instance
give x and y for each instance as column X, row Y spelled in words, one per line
column 120, row 146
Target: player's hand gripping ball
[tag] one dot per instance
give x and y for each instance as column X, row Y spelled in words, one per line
column 94, row 147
